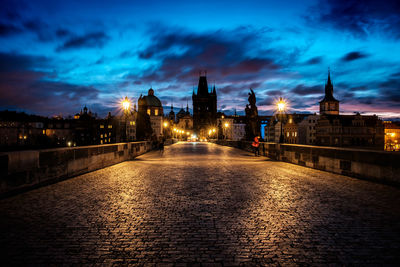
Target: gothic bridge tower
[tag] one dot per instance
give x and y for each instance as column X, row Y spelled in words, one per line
column 204, row 107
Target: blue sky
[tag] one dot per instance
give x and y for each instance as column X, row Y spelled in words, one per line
column 56, row 56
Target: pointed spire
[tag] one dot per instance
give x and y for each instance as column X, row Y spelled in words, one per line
column 329, row 76
column 329, row 86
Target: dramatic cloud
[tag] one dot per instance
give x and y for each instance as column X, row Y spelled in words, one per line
column 359, row 17
column 302, row 90
column 32, row 90
column 223, row 54
column 19, row 62
column 314, row 60
column 90, row 40
column 353, row 56
column 390, row 90
column 8, row 29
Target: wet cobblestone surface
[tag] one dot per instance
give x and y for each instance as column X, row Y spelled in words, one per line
column 204, row 205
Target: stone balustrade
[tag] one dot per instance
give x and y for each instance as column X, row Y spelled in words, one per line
column 21, row 170
column 382, row 166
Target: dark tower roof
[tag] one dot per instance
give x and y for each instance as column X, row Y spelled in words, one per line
column 172, row 110
column 329, row 90
column 150, row 100
column 202, row 89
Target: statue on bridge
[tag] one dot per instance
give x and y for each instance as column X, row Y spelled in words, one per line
column 252, row 120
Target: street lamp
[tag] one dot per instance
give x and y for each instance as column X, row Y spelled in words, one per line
column 126, row 104
column 226, row 129
column 281, row 108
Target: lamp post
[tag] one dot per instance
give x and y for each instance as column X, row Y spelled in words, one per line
column 165, row 124
column 226, row 125
column 126, row 104
column 281, row 107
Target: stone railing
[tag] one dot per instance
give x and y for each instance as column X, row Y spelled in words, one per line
column 21, row 170
column 374, row 165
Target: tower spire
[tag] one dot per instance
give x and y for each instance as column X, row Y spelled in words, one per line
column 329, row 76
column 328, row 85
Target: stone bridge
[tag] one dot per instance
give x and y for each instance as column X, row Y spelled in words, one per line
column 206, row 205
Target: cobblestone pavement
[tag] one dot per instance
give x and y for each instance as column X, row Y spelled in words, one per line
column 203, row 204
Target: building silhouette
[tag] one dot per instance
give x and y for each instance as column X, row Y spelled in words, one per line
column 329, row 105
column 150, row 111
column 204, row 107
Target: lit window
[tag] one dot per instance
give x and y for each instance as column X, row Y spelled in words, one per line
column 101, row 136
column 295, row 134
column 109, row 126
column 148, row 111
column 156, row 112
column 44, row 131
column 105, row 135
column 101, row 126
column 101, row 141
column 109, row 134
column 287, row 134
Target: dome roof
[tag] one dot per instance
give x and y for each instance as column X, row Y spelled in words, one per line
column 151, row 100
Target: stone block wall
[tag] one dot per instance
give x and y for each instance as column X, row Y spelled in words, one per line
column 382, row 166
column 20, row 170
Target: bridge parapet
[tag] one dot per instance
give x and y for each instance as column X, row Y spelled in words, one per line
column 20, row 170
column 382, row 166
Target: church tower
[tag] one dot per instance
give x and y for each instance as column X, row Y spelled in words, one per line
column 171, row 114
column 204, row 107
column 329, row 105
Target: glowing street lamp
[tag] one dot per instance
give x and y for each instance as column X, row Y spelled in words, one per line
column 226, row 125
column 126, row 105
column 165, row 124
column 281, row 108
column 281, row 105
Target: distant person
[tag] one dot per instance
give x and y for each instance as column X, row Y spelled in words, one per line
column 256, row 146
column 154, row 142
column 161, row 144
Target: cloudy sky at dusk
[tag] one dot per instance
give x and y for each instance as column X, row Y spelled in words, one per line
column 56, row 56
